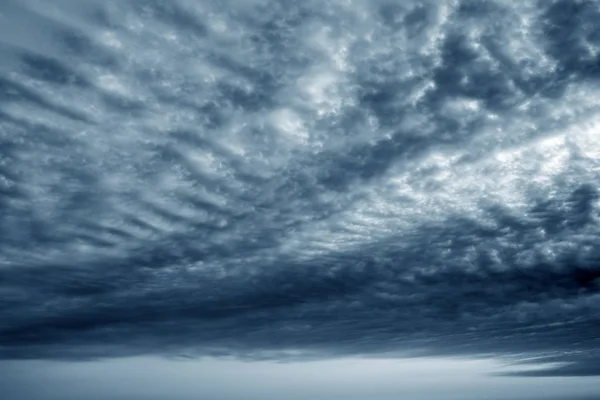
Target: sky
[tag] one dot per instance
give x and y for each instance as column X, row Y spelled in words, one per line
column 313, row 200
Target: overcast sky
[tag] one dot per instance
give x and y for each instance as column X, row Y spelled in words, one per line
column 315, row 200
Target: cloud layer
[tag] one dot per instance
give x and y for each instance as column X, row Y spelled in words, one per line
column 300, row 179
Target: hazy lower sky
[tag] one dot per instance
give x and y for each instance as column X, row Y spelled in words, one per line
column 312, row 200
column 151, row 378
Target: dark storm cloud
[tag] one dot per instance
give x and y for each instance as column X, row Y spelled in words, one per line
column 300, row 180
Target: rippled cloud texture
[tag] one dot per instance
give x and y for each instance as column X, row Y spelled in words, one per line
column 290, row 179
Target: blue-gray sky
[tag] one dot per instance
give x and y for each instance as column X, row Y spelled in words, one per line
column 257, row 185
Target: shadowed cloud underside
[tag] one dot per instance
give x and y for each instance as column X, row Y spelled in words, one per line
column 278, row 179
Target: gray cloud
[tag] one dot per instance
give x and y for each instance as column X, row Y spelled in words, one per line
column 300, row 180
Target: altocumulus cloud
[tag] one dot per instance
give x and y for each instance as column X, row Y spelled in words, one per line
column 267, row 179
